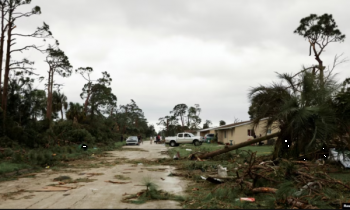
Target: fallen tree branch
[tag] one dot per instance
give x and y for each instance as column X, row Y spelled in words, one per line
column 264, row 190
column 237, row 146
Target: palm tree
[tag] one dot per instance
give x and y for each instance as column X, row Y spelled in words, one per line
column 38, row 100
column 75, row 111
column 59, row 101
column 304, row 112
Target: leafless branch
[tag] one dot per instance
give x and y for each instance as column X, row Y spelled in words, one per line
column 27, row 47
column 336, row 62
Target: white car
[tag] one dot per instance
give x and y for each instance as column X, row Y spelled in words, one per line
column 183, row 138
column 132, row 140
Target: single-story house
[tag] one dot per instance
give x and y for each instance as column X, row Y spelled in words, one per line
column 203, row 132
column 243, row 131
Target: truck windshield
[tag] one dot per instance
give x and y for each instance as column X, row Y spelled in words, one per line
column 180, row 135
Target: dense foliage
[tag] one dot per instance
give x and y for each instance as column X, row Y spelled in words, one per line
column 311, row 109
column 45, row 118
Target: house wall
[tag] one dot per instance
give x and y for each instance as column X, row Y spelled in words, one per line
column 229, row 135
column 239, row 134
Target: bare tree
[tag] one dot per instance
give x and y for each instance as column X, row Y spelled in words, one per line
column 9, row 8
column 58, row 63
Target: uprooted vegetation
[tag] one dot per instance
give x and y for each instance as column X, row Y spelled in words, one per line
column 150, row 193
column 273, row 184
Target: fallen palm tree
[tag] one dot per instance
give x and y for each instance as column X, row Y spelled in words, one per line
column 237, row 146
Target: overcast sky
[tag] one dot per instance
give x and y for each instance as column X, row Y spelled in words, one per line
column 164, row 52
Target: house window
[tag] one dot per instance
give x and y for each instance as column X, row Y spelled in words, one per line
column 251, row 132
column 268, row 131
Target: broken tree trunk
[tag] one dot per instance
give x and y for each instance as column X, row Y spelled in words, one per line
column 237, row 146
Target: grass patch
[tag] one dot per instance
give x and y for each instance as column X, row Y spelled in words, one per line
column 53, row 156
column 118, row 145
column 84, row 180
column 7, row 167
column 62, row 178
column 344, row 177
column 205, row 148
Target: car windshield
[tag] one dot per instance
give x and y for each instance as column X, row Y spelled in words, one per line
column 132, row 138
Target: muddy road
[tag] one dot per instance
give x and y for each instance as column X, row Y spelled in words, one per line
column 30, row 193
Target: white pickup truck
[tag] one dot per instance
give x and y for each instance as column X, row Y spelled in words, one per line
column 183, row 138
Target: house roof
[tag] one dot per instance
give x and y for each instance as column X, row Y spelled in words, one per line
column 233, row 125
column 208, row 129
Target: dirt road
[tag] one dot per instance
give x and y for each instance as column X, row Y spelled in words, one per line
column 22, row 193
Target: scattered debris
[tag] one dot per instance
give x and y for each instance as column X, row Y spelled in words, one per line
column 213, row 180
column 162, row 179
column 195, row 189
column 264, row 190
column 94, row 174
column 85, row 180
column 117, row 182
column 188, row 149
column 66, row 194
column 307, row 186
column 175, row 174
column 340, row 156
column 126, row 172
column 222, row 172
column 51, row 189
column 246, row 199
column 121, row 177
column 26, row 175
column 320, row 162
column 140, row 164
column 296, row 203
column 62, row 178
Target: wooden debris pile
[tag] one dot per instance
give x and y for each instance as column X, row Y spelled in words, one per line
column 308, row 183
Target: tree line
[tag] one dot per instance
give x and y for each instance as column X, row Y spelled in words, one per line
column 35, row 117
column 184, row 118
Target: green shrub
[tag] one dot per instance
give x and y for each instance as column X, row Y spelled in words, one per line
column 80, row 135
